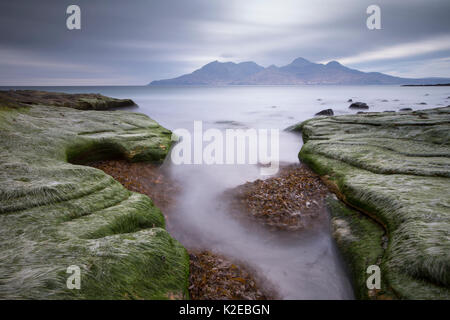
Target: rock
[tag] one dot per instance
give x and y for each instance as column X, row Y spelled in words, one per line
column 422, row 103
column 384, row 100
column 326, row 112
column 359, row 105
column 381, row 166
column 54, row 214
column 358, row 238
column 350, row 100
column 82, row 101
column 292, row 200
column 405, row 109
column 389, row 111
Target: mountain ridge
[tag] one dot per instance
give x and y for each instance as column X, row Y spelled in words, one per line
column 299, row 72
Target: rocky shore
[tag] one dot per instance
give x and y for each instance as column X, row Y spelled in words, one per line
column 392, row 170
column 212, row 276
column 56, row 213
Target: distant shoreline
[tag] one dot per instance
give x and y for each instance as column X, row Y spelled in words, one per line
column 427, row 85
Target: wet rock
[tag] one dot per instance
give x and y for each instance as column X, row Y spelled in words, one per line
column 389, row 111
column 55, row 214
column 350, row 100
column 380, row 165
column 406, row 109
column 358, row 105
column 422, row 103
column 326, row 112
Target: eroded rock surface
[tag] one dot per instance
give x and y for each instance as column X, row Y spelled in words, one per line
column 81, row 101
column 54, row 214
column 395, row 168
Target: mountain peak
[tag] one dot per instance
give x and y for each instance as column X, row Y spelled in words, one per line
column 300, row 62
column 334, row 63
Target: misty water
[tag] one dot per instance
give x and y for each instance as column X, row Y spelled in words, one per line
column 303, row 267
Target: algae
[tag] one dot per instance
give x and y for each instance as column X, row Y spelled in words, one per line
column 394, row 168
column 54, row 213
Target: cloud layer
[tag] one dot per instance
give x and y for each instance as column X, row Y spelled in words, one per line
column 137, row 41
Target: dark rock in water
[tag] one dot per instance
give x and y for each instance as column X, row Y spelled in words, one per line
column 405, row 109
column 361, row 112
column 359, row 105
column 388, row 111
column 326, row 112
column 384, row 100
column 350, row 100
column 423, row 103
column 396, row 100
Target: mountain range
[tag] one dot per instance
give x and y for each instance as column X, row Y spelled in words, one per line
column 298, row 72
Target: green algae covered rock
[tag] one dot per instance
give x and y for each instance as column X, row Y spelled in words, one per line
column 395, row 168
column 55, row 214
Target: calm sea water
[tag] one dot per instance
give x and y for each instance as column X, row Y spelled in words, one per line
column 307, row 267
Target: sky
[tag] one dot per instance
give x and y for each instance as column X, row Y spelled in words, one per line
column 134, row 42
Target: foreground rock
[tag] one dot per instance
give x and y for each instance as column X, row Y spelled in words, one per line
column 81, row 101
column 395, row 168
column 291, row 201
column 54, row 214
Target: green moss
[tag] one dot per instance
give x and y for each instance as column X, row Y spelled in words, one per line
column 394, row 167
column 360, row 240
column 54, row 214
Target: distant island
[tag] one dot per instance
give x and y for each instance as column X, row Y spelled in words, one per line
column 427, row 85
column 299, row 72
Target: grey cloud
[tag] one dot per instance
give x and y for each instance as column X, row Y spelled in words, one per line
column 137, row 41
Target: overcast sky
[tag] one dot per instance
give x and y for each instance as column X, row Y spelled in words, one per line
column 137, row 41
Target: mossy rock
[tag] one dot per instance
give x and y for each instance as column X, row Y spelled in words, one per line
column 395, row 168
column 54, row 213
column 362, row 242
